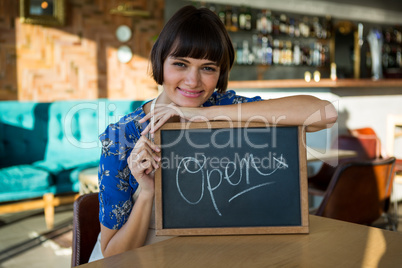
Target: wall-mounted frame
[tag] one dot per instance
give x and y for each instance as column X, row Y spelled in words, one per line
column 43, row 12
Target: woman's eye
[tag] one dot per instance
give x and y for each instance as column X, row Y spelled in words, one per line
column 210, row 69
column 180, row 64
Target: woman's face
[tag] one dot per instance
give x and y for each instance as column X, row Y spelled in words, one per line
column 189, row 82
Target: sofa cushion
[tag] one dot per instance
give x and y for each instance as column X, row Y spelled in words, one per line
column 25, row 180
column 23, row 132
column 65, row 165
column 68, row 180
column 73, row 130
column 58, row 139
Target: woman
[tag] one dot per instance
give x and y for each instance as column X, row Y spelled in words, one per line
column 191, row 60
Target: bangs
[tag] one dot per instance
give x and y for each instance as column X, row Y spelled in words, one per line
column 202, row 42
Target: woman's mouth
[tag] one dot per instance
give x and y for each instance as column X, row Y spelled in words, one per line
column 190, row 93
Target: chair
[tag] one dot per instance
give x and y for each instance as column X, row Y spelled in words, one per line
column 86, row 228
column 394, row 122
column 359, row 192
column 370, row 144
column 366, row 144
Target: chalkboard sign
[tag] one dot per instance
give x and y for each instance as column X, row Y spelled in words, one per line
column 224, row 178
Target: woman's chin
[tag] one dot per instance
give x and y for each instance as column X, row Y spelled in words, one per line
column 191, row 103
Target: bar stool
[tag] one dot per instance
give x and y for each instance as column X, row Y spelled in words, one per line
column 394, row 131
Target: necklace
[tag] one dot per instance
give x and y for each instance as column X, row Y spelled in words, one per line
column 153, row 104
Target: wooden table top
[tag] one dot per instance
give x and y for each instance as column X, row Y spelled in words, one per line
column 331, row 243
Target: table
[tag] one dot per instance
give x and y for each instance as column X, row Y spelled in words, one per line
column 331, row 243
column 88, row 180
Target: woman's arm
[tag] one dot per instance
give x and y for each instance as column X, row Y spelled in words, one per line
column 301, row 110
column 141, row 162
column 133, row 233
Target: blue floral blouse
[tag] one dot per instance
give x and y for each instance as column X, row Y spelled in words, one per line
column 116, row 183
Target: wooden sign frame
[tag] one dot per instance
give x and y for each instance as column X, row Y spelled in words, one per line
column 302, row 228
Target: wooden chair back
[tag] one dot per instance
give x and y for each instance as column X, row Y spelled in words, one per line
column 86, row 228
column 359, row 191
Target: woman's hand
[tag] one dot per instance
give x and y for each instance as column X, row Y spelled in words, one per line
column 142, row 161
column 162, row 113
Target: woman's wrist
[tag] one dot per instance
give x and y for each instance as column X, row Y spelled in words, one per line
column 207, row 113
column 146, row 194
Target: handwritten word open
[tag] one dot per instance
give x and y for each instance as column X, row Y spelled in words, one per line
column 205, row 176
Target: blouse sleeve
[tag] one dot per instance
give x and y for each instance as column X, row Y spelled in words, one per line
column 227, row 98
column 116, row 183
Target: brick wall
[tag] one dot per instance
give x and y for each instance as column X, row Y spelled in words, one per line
column 79, row 59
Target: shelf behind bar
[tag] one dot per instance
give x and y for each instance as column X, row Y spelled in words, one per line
column 323, row 83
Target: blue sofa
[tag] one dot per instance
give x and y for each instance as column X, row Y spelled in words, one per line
column 44, row 146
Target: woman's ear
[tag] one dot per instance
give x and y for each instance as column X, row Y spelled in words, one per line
column 160, row 89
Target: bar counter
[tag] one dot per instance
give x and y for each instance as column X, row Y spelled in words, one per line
column 323, row 83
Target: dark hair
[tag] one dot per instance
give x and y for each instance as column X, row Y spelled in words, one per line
column 194, row 33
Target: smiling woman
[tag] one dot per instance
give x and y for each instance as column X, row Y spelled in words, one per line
column 191, row 60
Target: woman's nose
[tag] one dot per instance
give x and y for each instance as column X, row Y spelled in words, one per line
column 192, row 78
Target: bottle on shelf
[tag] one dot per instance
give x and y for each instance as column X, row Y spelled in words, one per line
column 317, row 28
column 283, row 25
column 288, row 53
column 276, row 52
column 297, row 29
column 256, row 49
column 328, row 26
column 267, row 51
column 242, row 18
column 387, row 35
column 386, row 56
column 296, row 54
column 305, row 55
column 235, row 20
column 304, row 27
column 247, row 56
column 324, row 55
column 316, row 54
column 333, row 72
column 368, row 59
column 311, row 24
column 398, row 36
column 239, row 54
column 222, row 15
column 324, row 30
column 248, row 25
column 291, row 28
column 264, row 22
column 212, row 7
column 275, row 25
column 228, row 17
